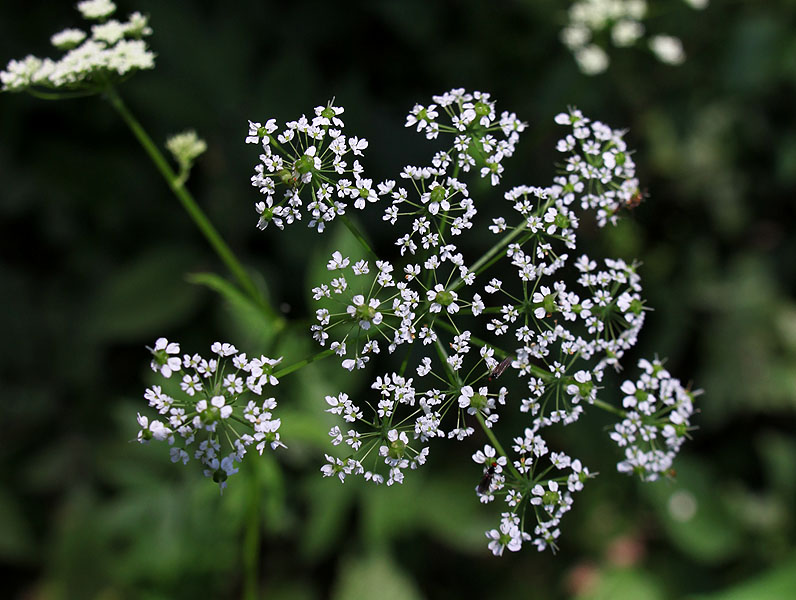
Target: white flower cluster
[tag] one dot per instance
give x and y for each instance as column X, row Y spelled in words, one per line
column 555, row 329
column 186, row 147
column 114, row 49
column 599, row 170
column 359, row 305
column 308, row 161
column 481, row 139
column 386, row 444
column 201, row 419
column 657, row 421
column 623, row 19
column 363, row 308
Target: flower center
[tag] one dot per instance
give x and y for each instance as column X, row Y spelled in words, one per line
column 304, row 164
column 438, row 194
column 161, row 357
column 210, row 415
column 444, row 298
column 364, row 312
column 286, row 177
column 397, row 449
column 481, row 109
column 550, row 497
column 479, row 401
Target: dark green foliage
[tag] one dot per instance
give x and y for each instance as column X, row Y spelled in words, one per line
column 98, row 260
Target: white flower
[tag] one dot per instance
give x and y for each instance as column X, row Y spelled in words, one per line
column 186, row 147
column 626, row 32
column 154, row 430
column 508, row 536
column 335, row 466
column 96, row 9
column 439, row 298
column 163, row 359
column 357, row 145
column 592, row 59
column 68, row 38
column 668, row 49
column 223, row 349
column 109, row 32
column 575, row 36
column 337, row 261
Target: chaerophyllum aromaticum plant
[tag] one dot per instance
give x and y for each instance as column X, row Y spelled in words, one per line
column 524, row 332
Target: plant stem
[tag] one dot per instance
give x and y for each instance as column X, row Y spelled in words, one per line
column 453, row 376
column 191, row 207
column 535, row 370
column 358, row 235
column 59, row 95
column 491, row 253
column 303, row 363
column 491, row 435
column 609, row 408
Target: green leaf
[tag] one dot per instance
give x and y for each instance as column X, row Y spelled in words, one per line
column 443, row 507
column 694, row 515
column 389, row 512
column 451, row 512
column 624, row 584
column 329, row 500
column 274, row 503
column 776, row 583
column 254, row 326
column 374, row 576
column 779, row 459
column 306, row 427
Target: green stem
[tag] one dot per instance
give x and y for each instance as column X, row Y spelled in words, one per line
column 490, row 254
column 453, row 376
column 358, row 235
column 491, row 435
column 60, row 95
column 303, row 363
column 192, row 208
column 535, row 370
column 405, row 363
column 609, row 408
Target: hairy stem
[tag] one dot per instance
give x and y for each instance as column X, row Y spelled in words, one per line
column 192, row 208
column 535, row 370
column 358, row 235
column 492, row 438
column 609, row 408
column 490, row 254
column 303, row 363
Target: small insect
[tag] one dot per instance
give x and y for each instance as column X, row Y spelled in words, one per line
column 635, row 199
column 486, row 481
column 498, row 370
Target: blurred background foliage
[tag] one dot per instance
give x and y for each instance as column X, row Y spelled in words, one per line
column 98, row 260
